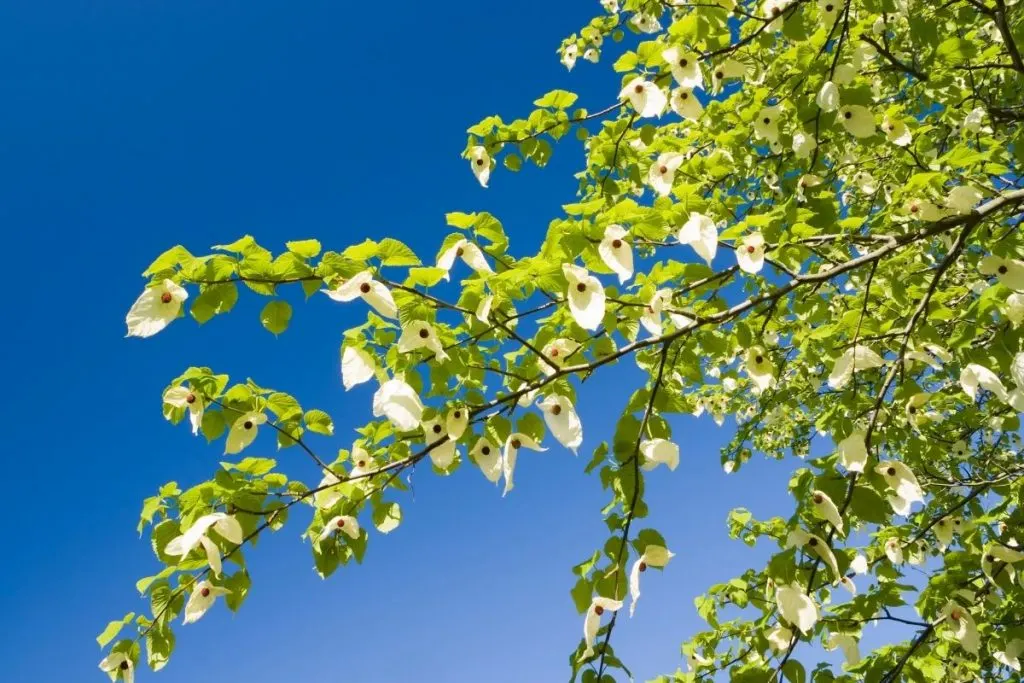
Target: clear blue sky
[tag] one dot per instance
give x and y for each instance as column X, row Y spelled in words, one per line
column 128, row 126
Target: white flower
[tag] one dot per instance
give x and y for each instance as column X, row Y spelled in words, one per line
column 759, row 368
column 155, row 308
column 645, row 23
column 894, row 551
column 725, row 71
column 963, row 198
column 372, row 292
column 592, row 622
column 560, row 351
column 685, row 104
column 854, row 359
column 974, row 376
column 562, row 420
column 857, row 120
column 828, row 97
column 362, row 465
column 685, row 68
column 865, row 182
column 964, row 629
column 796, row 608
column 483, row 309
column 750, row 253
column 327, row 496
column 610, row 6
column 663, row 172
column 1000, row 558
column 1010, row 655
column 585, row 295
column 420, row 334
column 859, row 564
column 659, row 452
column 848, row 644
column 341, row 523
column 616, row 252
column 591, row 55
column 766, row 123
column 225, row 525
column 645, row 97
column 1009, row 272
column 1015, row 310
column 973, row 121
column 510, row 454
column 897, row 132
column 443, row 454
column 825, row 508
column 924, row 210
column 654, row 556
column 817, row 545
column 480, row 162
column 700, row 232
column 853, row 452
column 183, row 397
column 779, row 638
column 803, row 145
column 773, row 9
column 900, row 479
column 456, row 422
column 488, row 459
column 569, row 54
column 118, row 664
column 243, row 432
column 847, row 583
column 468, row 252
column 399, row 402
column 651, row 318
column 357, row 366
column 202, row 598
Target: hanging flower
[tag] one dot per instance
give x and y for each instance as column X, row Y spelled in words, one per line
column 372, row 292
column 750, row 253
column 974, row 376
column 865, row 182
column 155, row 308
column 183, row 397
column 610, row 6
column 857, row 120
column 483, row 309
column 663, row 172
column 645, row 97
column 917, row 416
column 846, row 643
column 362, row 464
column 853, row 452
column 798, row 538
column 585, row 295
column 847, row 583
column 844, row 75
column 591, row 55
column 513, row 443
column 327, row 496
column 645, row 23
column 357, row 366
column 824, row 508
column 766, row 123
column 656, row 452
column 1009, row 656
column 700, row 232
column 344, row 524
column 562, row 420
column 828, row 97
column 487, row 457
column 1009, row 272
column 197, row 535
column 900, row 479
column 651, row 318
column 725, row 71
column 616, row 252
column 480, row 162
column 759, row 368
column 796, row 608
column 399, row 402
column 685, row 67
column 924, row 210
column 592, row 622
column 558, row 352
column 653, row 556
column 779, row 637
column 569, row 54
column 468, row 252
column 854, row 359
column 456, row 422
column 894, row 551
column 444, row 454
column 974, row 120
column 420, row 334
column 204, row 594
column 963, row 198
column 803, row 145
column 118, row 664
column 965, row 631
column 685, row 104
column 859, row 564
column 243, row 432
column 944, row 529
column 897, row 132
column 1015, row 310
column 772, row 9
column 997, row 558
column 806, row 181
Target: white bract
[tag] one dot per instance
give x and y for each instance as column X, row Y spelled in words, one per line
column 488, row 458
column 561, row 418
column 225, row 525
column 363, row 286
column 902, row 481
column 183, row 397
column 419, row 334
column 586, row 296
column 480, row 162
column 797, row 608
column 1009, row 272
column 653, row 556
column 685, row 103
column 896, row 132
column 663, row 172
column 750, row 253
column 828, row 97
column 645, row 97
column 685, row 67
column 357, row 366
column 592, row 622
column 759, row 368
column 656, row 452
column 700, row 232
column 857, row 120
column 616, row 252
column 444, row 453
column 825, row 508
column 400, row 403
column 344, row 524
column 510, row 454
column 243, row 432
column 470, row 254
column 976, row 376
column 155, row 308
column 854, row 359
column 203, row 595
column 117, row 664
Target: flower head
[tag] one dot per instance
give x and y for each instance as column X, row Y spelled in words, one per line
column 645, row 97
column 684, row 103
column 510, row 454
column 561, row 418
column 1009, row 272
column 118, row 664
column 585, row 295
column 369, row 290
column 339, row 524
column 828, row 97
column 468, row 252
column 653, row 556
column 700, row 232
column 183, row 397
column 616, row 252
column 480, row 162
column 750, row 253
column 204, row 594
column 685, row 67
column 825, row 508
column 592, row 622
column 656, row 452
column 663, row 172
column 243, row 432
column 399, row 402
column 419, row 334
column 796, row 608
column 155, row 308
column 488, row 458
column 759, row 368
column 897, row 132
column 357, row 366
column 854, row 359
column 902, row 481
column 444, row 453
column 857, row 120
column 853, row 452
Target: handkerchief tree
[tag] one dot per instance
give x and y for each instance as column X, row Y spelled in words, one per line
column 799, row 215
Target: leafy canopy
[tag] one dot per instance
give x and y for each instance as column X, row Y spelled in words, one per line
column 803, row 215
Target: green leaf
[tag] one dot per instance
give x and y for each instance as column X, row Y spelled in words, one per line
column 387, row 517
column 318, row 421
column 304, row 248
column 395, row 253
column 276, row 315
column 114, row 628
column 557, row 99
column 215, row 299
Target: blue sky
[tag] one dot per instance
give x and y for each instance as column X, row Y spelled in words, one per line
column 132, row 126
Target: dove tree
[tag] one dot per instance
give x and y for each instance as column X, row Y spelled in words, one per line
column 801, row 220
